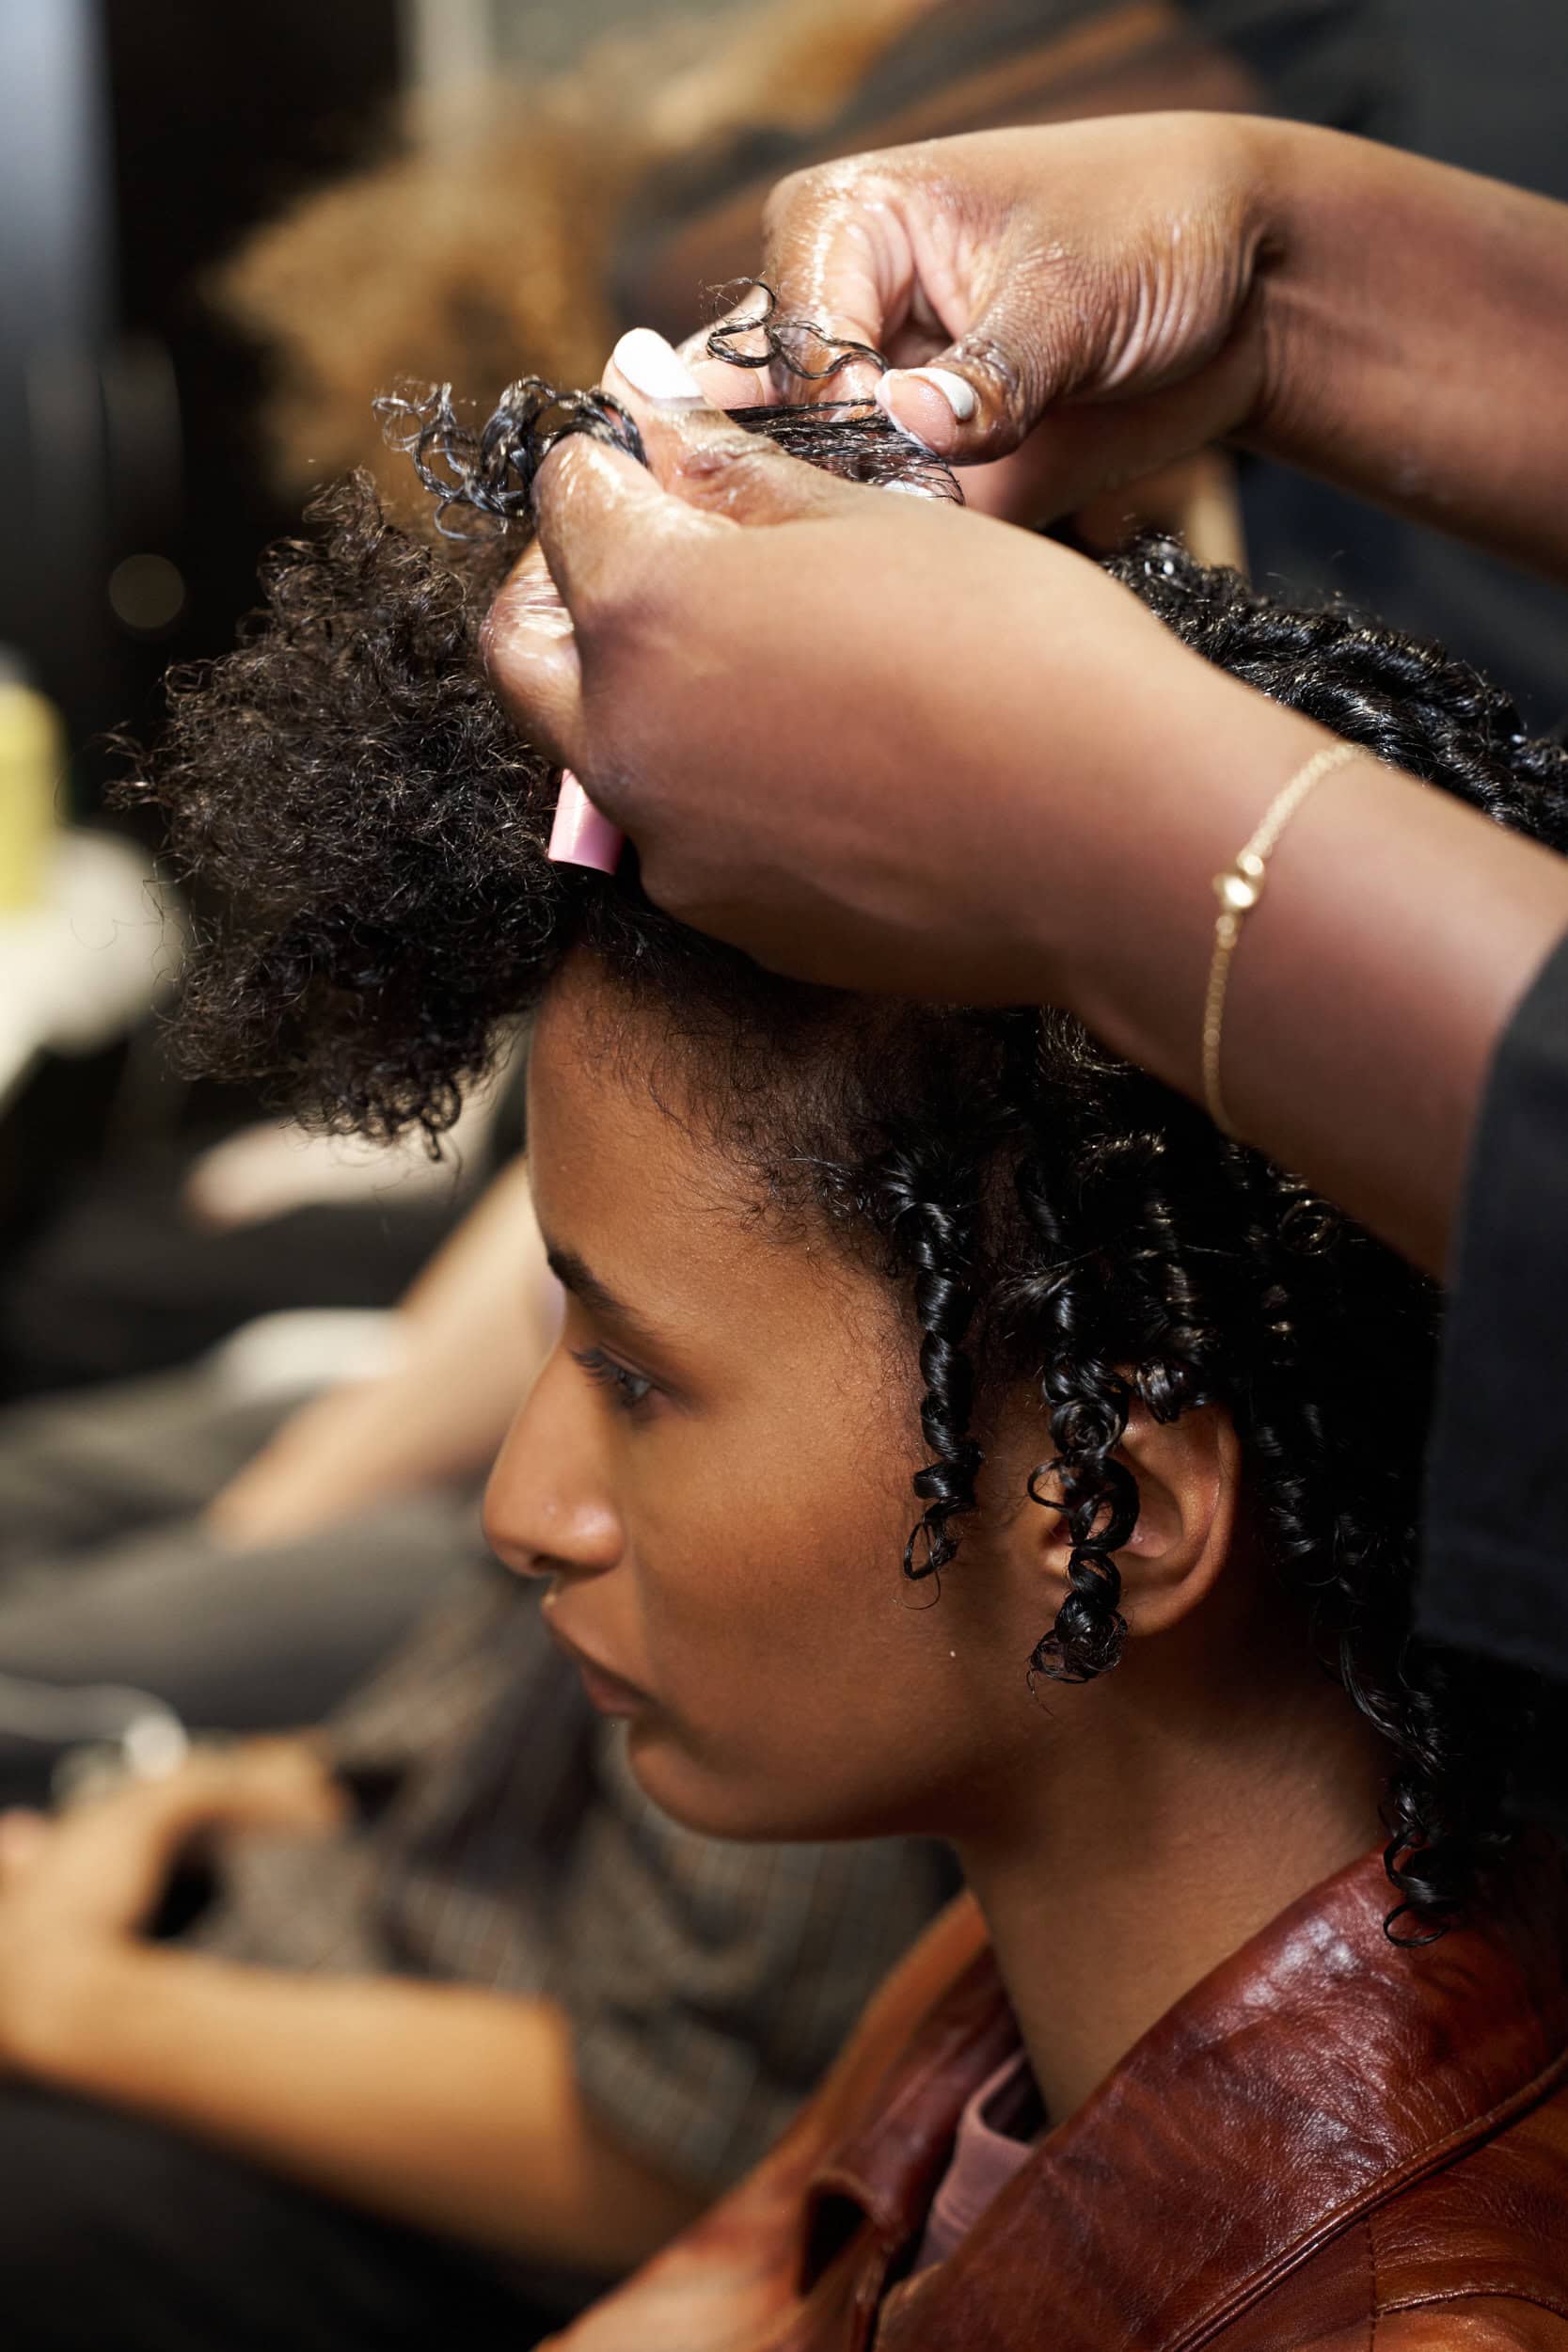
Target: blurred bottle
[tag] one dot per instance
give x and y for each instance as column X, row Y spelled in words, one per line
column 32, row 763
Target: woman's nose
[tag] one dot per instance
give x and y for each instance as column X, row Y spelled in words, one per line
column 549, row 1510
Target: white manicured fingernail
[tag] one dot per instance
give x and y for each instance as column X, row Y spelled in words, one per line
column 653, row 368
column 956, row 389
column 927, row 403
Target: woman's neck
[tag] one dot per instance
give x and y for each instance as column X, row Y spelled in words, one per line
column 1146, row 1855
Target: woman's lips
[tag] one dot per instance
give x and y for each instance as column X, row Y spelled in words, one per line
column 609, row 1692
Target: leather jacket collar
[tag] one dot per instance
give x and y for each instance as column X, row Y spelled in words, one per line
column 1316, row 2074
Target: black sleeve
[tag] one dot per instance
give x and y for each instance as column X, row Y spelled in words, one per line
column 1496, row 1569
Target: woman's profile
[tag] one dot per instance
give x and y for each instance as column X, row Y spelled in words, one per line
column 953, row 1432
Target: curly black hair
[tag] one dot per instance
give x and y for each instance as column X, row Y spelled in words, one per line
column 349, row 783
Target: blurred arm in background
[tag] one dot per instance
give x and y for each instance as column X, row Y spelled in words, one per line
column 247, row 1557
column 472, row 1330
column 448, row 2106
column 511, row 2004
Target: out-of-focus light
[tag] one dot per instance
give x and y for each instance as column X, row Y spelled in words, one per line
column 147, row 592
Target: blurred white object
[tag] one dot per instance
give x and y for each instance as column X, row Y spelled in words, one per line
column 304, row 1348
column 266, row 1170
column 83, row 965
column 32, row 766
column 142, row 1735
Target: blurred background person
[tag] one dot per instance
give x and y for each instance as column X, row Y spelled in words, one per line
column 448, row 2026
column 244, row 1539
column 426, row 2018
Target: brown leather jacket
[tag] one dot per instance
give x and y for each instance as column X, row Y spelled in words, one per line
column 1330, row 2139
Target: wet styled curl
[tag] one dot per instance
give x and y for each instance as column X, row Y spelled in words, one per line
column 348, row 786
column 482, row 478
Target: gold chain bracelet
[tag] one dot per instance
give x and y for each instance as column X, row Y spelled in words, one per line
column 1238, row 890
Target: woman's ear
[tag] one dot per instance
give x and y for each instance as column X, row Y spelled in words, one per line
column 1188, row 1474
column 1189, row 1478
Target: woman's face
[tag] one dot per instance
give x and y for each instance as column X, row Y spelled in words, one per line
column 713, row 1471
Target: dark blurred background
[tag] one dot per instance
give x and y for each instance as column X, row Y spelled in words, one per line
column 140, row 140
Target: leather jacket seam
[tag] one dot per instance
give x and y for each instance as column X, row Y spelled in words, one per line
column 1372, row 2282
column 1514, row 2292
column 1436, row 2158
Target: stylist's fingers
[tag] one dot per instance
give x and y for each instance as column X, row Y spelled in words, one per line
column 621, row 542
column 895, row 260
column 530, row 652
column 699, row 453
column 878, row 258
column 836, row 251
column 985, row 322
column 607, row 529
column 722, row 384
column 930, row 255
column 1025, row 347
column 1091, row 451
column 613, row 541
column 597, row 514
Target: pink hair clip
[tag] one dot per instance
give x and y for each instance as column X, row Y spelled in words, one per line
column 580, row 835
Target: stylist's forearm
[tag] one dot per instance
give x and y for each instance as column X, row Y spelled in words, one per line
column 1370, row 988
column 1417, row 324
column 1031, row 811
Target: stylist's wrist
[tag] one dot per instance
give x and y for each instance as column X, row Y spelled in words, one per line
column 1193, row 763
column 1313, row 329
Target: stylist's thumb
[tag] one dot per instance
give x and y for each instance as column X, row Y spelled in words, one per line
column 608, row 534
column 984, row 393
column 616, row 568
column 841, row 241
column 699, row 452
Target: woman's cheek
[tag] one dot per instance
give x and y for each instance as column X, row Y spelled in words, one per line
column 767, row 1530
column 750, row 1591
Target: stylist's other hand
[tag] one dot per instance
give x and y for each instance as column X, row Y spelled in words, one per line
column 1102, row 277
column 874, row 739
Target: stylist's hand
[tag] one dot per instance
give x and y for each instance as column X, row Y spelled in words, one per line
column 1103, row 273
column 874, row 739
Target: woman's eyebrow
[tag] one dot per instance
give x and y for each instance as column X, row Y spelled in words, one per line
column 578, row 1277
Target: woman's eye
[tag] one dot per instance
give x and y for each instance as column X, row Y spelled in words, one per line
column 627, row 1390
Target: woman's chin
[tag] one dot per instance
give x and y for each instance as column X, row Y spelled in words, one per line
column 718, row 1801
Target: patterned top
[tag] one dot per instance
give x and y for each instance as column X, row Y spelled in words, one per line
column 507, row 1844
